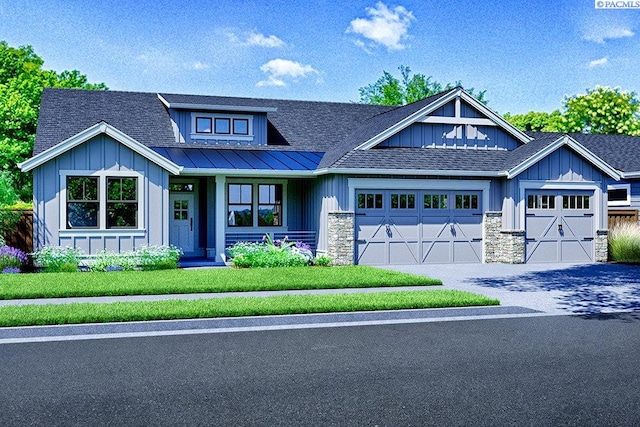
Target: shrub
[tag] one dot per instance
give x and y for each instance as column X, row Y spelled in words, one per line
column 57, row 259
column 270, row 253
column 11, row 257
column 111, row 261
column 624, row 243
column 323, row 261
column 158, row 257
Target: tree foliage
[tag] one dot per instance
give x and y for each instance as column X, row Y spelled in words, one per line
column 22, row 80
column 602, row 110
column 390, row 90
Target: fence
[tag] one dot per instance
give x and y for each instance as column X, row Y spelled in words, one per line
column 619, row 217
column 22, row 235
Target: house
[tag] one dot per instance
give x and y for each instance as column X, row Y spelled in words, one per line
column 442, row 180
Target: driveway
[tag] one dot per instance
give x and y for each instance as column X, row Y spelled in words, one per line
column 551, row 288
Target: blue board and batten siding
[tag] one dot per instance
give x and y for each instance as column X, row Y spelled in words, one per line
column 562, row 166
column 424, row 135
column 181, row 123
column 101, row 153
column 449, row 110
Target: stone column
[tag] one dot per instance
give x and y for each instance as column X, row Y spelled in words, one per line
column 602, row 246
column 340, row 234
column 500, row 245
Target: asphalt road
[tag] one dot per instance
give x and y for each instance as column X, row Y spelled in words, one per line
column 526, row 371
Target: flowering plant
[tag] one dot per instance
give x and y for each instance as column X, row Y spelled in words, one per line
column 58, row 259
column 11, row 257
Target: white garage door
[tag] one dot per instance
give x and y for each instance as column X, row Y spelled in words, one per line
column 559, row 226
column 418, row 226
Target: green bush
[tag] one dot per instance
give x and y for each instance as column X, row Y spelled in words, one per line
column 270, row 253
column 323, row 261
column 158, row 257
column 111, row 261
column 624, row 243
column 57, row 259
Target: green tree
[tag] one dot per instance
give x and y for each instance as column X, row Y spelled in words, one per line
column 602, row 110
column 22, row 80
column 390, row 90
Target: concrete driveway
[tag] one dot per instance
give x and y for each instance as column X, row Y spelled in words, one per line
column 551, row 288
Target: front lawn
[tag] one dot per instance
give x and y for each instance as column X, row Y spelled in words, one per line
column 52, row 285
column 54, row 314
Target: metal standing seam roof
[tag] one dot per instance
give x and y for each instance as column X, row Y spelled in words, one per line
column 207, row 158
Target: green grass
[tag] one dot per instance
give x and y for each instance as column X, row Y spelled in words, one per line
column 54, row 314
column 51, row 285
column 624, row 243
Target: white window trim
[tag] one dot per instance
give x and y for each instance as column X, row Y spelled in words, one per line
column 102, row 229
column 219, row 136
column 254, row 205
column 620, row 187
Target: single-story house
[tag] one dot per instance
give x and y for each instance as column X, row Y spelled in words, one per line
column 442, row 180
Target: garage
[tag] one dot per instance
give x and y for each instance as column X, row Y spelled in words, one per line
column 418, row 226
column 560, row 226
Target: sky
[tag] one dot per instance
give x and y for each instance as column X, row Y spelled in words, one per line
column 527, row 55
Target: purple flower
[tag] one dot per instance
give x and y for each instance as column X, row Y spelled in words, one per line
column 10, row 270
column 113, row 268
column 11, row 257
column 302, row 246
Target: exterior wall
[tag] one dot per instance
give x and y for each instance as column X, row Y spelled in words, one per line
column 181, row 122
column 466, row 110
column 101, row 153
column 506, row 246
column 420, row 135
column 563, row 167
column 330, row 194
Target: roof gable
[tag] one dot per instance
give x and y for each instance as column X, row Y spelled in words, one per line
column 87, row 134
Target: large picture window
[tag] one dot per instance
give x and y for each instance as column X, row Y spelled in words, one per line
column 263, row 199
column 102, row 202
column 83, row 205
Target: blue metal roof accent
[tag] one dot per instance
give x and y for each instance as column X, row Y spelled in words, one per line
column 208, row 158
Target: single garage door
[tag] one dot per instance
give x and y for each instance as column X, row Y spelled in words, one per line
column 559, row 226
column 418, row 226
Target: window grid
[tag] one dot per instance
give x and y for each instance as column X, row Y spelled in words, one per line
column 403, row 201
column 575, row 202
column 83, row 203
column 541, row 201
column 466, row 201
column 269, row 205
column 435, row 201
column 122, row 202
column 370, row 201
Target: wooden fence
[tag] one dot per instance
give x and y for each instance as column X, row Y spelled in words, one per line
column 620, row 216
column 22, row 235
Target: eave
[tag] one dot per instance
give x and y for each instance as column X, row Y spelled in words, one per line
column 212, row 107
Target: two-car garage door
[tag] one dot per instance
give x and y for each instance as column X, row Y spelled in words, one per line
column 418, row 226
column 432, row 226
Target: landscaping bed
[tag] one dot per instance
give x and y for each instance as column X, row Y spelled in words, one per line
column 55, row 314
column 117, row 283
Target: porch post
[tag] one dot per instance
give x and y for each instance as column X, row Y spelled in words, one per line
column 221, row 216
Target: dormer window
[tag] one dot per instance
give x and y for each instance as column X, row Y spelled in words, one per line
column 226, row 127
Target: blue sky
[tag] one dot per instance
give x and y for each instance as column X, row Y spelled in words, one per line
column 527, row 54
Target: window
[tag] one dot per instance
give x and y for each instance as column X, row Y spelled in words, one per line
column 181, row 187
column 619, row 195
column 370, row 201
column 403, row 201
column 122, row 202
column 102, row 202
column 575, row 202
column 83, row 205
column 435, row 201
column 222, row 126
column 240, row 205
column 541, row 201
column 466, row 201
column 269, row 204
column 264, row 199
column 203, row 124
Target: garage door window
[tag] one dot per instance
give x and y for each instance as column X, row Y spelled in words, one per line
column 575, row 202
column 370, row 201
column 541, row 201
column 403, row 201
column 466, row 201
column 435, row 201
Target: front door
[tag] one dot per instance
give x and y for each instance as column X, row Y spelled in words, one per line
column 182, row 230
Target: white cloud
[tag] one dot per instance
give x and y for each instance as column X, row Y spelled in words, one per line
column 199, row 65
column 279, row 69
column 254, row 38
column 600, row 32
column 599, row 62
column 386, row 27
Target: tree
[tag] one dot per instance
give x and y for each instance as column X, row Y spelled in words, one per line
column 389, row 90
column 22, row 80
column 602, row 110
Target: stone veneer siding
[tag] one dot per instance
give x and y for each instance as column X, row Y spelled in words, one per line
column 602, row 246
column 500, row 245
column 340, row 245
